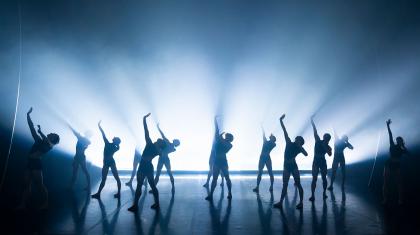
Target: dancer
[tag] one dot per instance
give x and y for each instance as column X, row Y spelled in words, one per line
column 340, row 144
column 109, row 150
column 79, row 159
column 265, row 160
column 170, row 147
column 222, row 146
column 33, row 171
column 211, row 163
column 136, row 161
column 319, row 163
column 290, row 167
column 146, row 167
column 393, row 165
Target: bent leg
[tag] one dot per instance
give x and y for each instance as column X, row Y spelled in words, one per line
column 117, row 178
column 315, row 171
column 158, row 171
column 86, row 172
column 105, row 170
column 74, row 173
column 225, row 171
column 334, row 172
column 269, row 166
column 324, row 179
column 137, row 195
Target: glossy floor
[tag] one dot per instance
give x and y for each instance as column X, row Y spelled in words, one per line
column 186, row 211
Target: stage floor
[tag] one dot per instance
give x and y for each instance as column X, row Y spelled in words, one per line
column 186, row 212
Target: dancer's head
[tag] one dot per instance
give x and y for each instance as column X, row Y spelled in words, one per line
column 345, row 138
column 400, row 141
column 273, row 138
column 176, row 142
column 327, row 138
column 53, row 138
column 229, row 137
column 299, row 140
column 116, row 140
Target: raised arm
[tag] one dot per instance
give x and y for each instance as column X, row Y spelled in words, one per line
column 41, row 134
column 391, row 139
column 350, row 146
column 161, row 133
column 286, row 135
column 263, row 134
column 146, row 129
column 102, row 132
column 77, row 134
column 315, row 130
column 216, row 129
column 31, row 126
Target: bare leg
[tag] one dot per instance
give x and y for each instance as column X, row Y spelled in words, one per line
column 324, row 180
column 222, row 175
column 158, row 170
column 137, row 195
column 260, row 171
column 228, row 182
column 208, row 176
column 270, row 173
column 117, row 178
column 105, row 170
column 296, row 177
column 154, row 190
column 86, row 172
column 171, row 177
column 215, row 171
column 315, row 171
column 343, row 173
column 133, row 172
column 333, row 174
column 286, row 177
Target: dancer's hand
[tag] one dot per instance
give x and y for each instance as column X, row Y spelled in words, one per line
column 147, row 115
column 30, row 110
column 388, row 122
column 282, row 117
column 99, row 123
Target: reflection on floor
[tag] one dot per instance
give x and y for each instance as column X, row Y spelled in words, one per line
column 186, row 212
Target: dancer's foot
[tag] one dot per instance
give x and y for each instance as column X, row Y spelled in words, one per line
column 206, row 185
column 150, row 191
column 325, row 196
column 209, row 198
column 129, row 183
column 117, row 195
column 278, row 205
column 330, row 188
column 299, row 206
column 312, row 198
column 96, row 195
column 256, row 190
column 133, row 208
column 271, row 188
column 155, row 206
column 229, row 196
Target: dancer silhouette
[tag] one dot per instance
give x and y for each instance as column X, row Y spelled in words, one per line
column 79, row 159
column 265, row 160
column 319, row 163
column 392, row 169
column 290, row 167
column 136, row 161
column 33, row 171
column 146, row 167
column 222, row 146
column 340, row 144
column 109, row 150
column 170, row 147
column 211, row 164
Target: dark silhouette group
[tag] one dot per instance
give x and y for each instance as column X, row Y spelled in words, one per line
column 218, row 163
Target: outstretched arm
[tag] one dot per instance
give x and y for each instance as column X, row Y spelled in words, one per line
column 216, row 128
column 161, row 133
column 315, row 130
column 350, row 146
column 77, row 134
column 146, row 129
column 286, row 135
column 303, row 151
column 391, row 139
column 263, row 132
column 102, row 132
column 41, row 134
column 31, row 126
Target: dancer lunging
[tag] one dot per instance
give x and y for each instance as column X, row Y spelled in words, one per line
column 340, row 144
column 33, row 171
column 109, row 162
column 319, row 163
column 151, row 150
column 222, row 146
column 79, row 159
column 265, row 160
column 290, row 167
